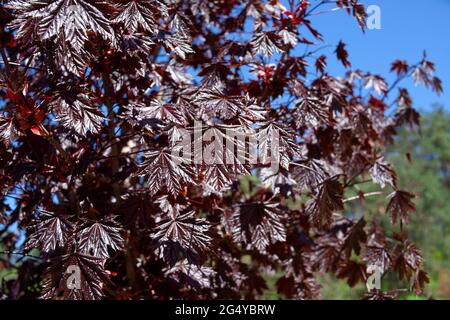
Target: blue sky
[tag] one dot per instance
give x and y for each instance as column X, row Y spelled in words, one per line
column 408, row 27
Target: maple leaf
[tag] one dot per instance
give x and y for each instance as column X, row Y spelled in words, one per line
column 134, row 44
column 354, row 272
column 288, row 37
column 382, row 173
column 179, row 74
column 49, row 232
column 62, row 20
column 179, row 44
column 76, row 113
column 436, row 84
column 223, row 155
column 266, row 43
column 359, row 12
column 321, row 63
column 250, row 114
column 377, row 256
column 408, row 115
column 140, row 115
column 355, row 237
column 342, row 54
column 279, row 181
column 276, row 144
column 377, row 83
column 196, row 276
column 219, row 177
column 376, row 236
column 139, row 14
column 216, row 103
column 419, row 280
column 423, row 74
column 310, row 174
column 167, row 112
column 325, row 253
column 400, row 67
column 400, row 204
column 407, row 259
column 137, row 209
column 259, row 223
column 8, row 130
column 94, row 238
column 163, row 169
column 92, row 278
column 299, row 287
column 179, row 226
column 311, row 112
column 327, row 201
column 67, row 58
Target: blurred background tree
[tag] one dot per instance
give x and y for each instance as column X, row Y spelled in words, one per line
column 426, row 171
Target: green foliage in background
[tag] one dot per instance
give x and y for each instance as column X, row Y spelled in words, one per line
column 426, row 172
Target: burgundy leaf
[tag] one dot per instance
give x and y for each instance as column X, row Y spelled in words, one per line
column 328, row 200
column 95, row 238
column 49, row 232
column 342, row 54
column 400, row 205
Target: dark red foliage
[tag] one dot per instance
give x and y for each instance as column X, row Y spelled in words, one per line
column 94, row 94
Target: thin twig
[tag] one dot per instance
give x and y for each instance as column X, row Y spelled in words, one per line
column 365, row 195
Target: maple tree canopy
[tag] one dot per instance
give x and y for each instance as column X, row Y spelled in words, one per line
column 94, row 95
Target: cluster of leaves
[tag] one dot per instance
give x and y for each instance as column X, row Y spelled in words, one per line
column 94, row 96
